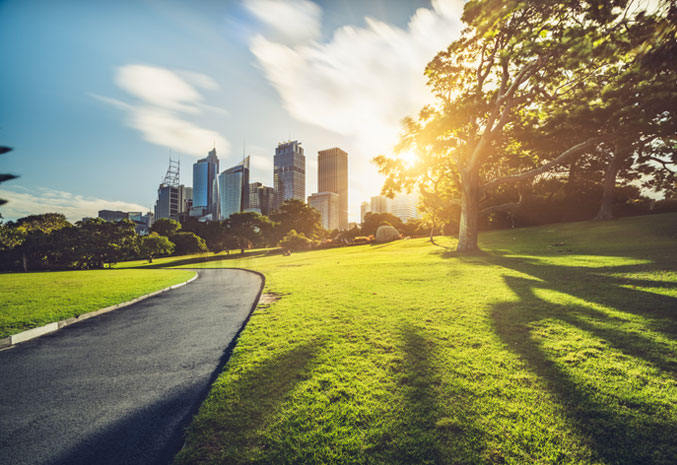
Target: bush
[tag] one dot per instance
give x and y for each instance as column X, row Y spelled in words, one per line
column 294, row 241
column 187, row 243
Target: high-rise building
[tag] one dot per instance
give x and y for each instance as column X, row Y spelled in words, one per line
column 289, row 172
column 205, row 199
column 364, row 209
column 404, row 206
column 332, row 176
column 261, row 198
column 169, row 194
column 380, row 204
column 185, row 199
column 327, row 203
column 234, row 189
column 110, row 215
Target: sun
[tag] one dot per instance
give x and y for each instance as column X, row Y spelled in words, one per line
column 409, row 158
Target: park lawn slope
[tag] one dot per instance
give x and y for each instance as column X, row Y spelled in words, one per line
column 556, row 346
column 29, row 300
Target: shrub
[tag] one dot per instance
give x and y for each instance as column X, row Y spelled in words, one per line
column 294, row 241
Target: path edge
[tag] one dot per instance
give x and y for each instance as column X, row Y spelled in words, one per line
column 33, row 333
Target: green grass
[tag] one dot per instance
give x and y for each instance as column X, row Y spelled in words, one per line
column 408, row 354
column 29, row 300
column 191, row 260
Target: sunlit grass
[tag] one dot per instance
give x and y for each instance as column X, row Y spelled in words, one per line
column 29, row 300
column 407, row 353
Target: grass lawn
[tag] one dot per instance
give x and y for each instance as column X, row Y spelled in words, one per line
column 555, row 346
column 29, row 300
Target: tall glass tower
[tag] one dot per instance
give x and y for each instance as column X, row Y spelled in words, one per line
column 204, row 177
column 289, row 172
column 234, row 189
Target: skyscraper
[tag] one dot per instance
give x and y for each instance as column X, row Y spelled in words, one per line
column 364, row 209
column 234, row 189
column 404, row 206
column 169, row 193
column 327, row 203
column 380, row 204
column 205, row 200
column 261, row 198
column 332, row 176
column 289, row 172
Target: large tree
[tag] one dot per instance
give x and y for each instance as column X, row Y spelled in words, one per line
column 512, row 57
column 296, row 215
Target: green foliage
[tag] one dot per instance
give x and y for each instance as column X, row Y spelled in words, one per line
column 373, row 220
column 556, row 346
column 103, row 242
column 295, row 214
column 187, row 243
column 247, row 227
column 4, row 176
column 155, row 245
column 294, row 241
column 35, row 299
column 166, row 227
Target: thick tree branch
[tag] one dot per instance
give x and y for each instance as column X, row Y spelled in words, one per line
column 505, row 206
column 564, row 156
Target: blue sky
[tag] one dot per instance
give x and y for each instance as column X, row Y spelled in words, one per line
column 95, row 95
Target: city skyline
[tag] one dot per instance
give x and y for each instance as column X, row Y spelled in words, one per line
column 98, row 96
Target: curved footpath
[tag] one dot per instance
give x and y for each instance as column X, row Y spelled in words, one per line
column 120, row 388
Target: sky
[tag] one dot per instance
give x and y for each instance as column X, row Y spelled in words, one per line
column 96, row 96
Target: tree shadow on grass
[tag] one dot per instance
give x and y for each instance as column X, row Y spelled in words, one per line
column 229, row 427
column 428, row 429
column 619, row 429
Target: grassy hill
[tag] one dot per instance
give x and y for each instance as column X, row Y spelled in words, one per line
column 555, row 346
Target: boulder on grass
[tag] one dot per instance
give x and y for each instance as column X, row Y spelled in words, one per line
column 386, row 234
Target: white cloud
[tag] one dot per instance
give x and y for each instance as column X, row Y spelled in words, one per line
column 292, row 21
column 361, row 83
column 365, row 80
column 24, row 202
column 164, row 97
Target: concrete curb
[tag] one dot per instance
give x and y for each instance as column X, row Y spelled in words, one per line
column 51, row 327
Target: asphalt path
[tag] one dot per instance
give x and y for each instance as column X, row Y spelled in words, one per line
column 120, row 388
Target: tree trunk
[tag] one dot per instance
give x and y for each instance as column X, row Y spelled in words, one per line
column 470, row 200
column 606, row 208
column 25, row 261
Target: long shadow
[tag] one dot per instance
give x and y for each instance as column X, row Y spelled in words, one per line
column 620, row 431
column 429, row 430
column 229, row 429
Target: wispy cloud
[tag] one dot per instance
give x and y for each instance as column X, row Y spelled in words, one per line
column 24, row 202
column 362, row 82
column 365, row 80
column 164, row 98
column 290, row 21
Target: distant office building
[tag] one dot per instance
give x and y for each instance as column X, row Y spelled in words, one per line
column 327, row 203
column 289, row 172
column 234, row 189
column 261, row 198
column 364, row 209
column 185, row 199
column 110, row 215
column 332, row 176
column 404, row 206
column 205, row 187
column 168, row 203
column 380, row 204
column 141, row 222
